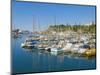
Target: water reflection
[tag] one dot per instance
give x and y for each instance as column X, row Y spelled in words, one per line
column 34, row 60
column 60, row 56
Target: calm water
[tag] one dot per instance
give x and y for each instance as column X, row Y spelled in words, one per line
column 24, row 60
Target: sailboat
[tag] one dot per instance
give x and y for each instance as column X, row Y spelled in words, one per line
column 56, row 48
column 30, row 41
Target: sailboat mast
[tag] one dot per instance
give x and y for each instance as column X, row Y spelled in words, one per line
column 38, row 25
column 33, row 24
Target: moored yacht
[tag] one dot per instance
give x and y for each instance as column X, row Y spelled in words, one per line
column 29, row 43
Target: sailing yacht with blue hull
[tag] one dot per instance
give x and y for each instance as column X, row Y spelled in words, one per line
column 29, row 43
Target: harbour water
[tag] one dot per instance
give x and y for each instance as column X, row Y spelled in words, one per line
column 25, row 60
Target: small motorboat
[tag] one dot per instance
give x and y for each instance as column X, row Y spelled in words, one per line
column 83, row 48
column 67, row 47
column 90, row 52
column 56, row 51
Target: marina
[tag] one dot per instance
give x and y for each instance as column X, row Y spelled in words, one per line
column 56, row 46
column 35, row 60
column 51, row 38
column 59, row 47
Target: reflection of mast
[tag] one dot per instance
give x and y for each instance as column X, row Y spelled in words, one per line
column 61, row 58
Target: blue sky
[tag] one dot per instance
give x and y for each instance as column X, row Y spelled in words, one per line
column 44, row 15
